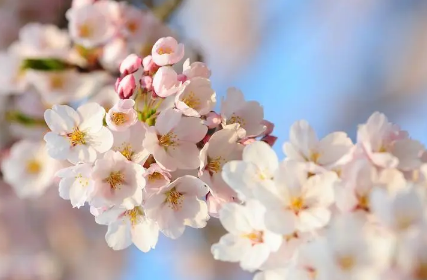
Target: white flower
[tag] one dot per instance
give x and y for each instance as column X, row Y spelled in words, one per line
column 129, row 143
column 29, row 169
column 179, row 204
column 167, row 51
column 122, row 115
column 76, row 184
column 248, row 241
column 172, row 141
column 195, row 69
column 91, row 25
column 165, row 81
column 12, row 79
column 255, row 170
column 221, row 148
column 127, row 226
column 298, row 201
column 304, row 146
column 401, row 211
column 196, row 98
column 248, row 114
column 77, row 136
column 387, row 146
column 157, row 178
column 117, row 181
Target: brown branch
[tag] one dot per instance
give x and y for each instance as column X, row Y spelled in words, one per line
column 164, row 11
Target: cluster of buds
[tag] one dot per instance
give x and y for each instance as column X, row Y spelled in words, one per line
column 153, row 161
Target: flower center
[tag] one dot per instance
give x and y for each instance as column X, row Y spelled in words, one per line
column 314, row 157
column 403, row 221
column 237, row 119
column 57, row 82
column 132, row 26
column 85, row 30
column 84, row 182
column 115, row 179
column 174, row 199
column 256, row 237
column 291, row 236
column 191, row 100
column 33, row 166
column 127, row 152
column 382, row 149
column 164, row 50
column 297, row 204
column 346, row 262
column 420, row 271
column 155, row 176
column 363, row 202
column 214, row 164
column 168, row 140
column 119, row 118
column 135, row 215
column 77, row 137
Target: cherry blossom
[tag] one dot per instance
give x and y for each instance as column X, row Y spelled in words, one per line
column 28, row 168
column 167, row 51
column 156, row 178
column 195, row 69
column 196, row 98
column 77, row 135
column 129, row 143
column 172, row 141
column 122, row 115
column 165, row 82
column 177, row 205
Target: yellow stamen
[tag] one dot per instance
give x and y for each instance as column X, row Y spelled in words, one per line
column 314, row 157
column 84, row 182
column 33, row 166
column 119, row 118
column 291, row 236
column 364, row 202
column 85, row 30
column 135, row 215
column 382, row 149
column 127, row 152
column 77, row 137
column 191, row 100
column 346, row 262
column 255, row 237
column 164, row 50
column 168, row 140
column 174, row 199
column 237, row 119
column 215, row 164
column 132, row 26
column 297, row 204
column 57, row 82
column 155, row 176
column 115, row 179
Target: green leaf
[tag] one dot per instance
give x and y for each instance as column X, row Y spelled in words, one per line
column 46, row 64
column 18, row 117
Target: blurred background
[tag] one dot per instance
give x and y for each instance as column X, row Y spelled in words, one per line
column 330, row 62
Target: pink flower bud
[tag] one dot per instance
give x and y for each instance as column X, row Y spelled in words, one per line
column 165, row 82
column 130, row 64
column 147, row 82
column 182, row 78
column 269, row 139
column 149, row 65
column 212, row 120
column 125, row 86
column 122, row 115
column 167, row 51
column 269, row 126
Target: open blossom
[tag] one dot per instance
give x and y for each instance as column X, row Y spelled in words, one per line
column 165, row 82
column 179, row 204
column 76, row 184
column 248, row 114
column 122, row 115
column 118, row 181
column 129, row 143
column 156, row 178
column 127, row 226
column 172, row 141
column 255, row 170
column 167, row 51
column 195, row 69
column 91, row 25
column 304, row 146
column 247, row 241
column 135, row 24
column 28, row 168
column 196, row 98
column 386, row 145
column 77, row 135
column 298, row 201
column 221, row 148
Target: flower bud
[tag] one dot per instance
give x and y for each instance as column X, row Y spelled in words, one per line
column 130, row 64
column 125, row 86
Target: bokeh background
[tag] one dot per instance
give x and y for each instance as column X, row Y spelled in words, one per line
column 330, row 62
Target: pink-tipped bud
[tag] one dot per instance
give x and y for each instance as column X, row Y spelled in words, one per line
column 130, row 64
column 149, row 65
column 269, row 139
column 213, row 120
column 125, row 86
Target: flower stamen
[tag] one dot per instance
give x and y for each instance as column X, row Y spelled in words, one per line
column 33, row 166
column 191, row 100
column 115, row 179
column 174, row 199
column 77, row 137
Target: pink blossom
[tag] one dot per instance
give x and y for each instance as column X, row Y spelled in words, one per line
column 156, row 178
column 130, row 64
column 149, row 65
column 167, row 51
column 122, row 115
column 147, row 82
column 165, row 82
column 196, row 97
column 125, row 86
column 196, row 69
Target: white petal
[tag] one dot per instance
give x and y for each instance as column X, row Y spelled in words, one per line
column 92, row 115
column 234, row 219
column 167, row 120
column 255, row 257
column 145, row 235
column 230, row 248
column 102, row 140
column 119, row 236
column 262, row 155
column 280, row 221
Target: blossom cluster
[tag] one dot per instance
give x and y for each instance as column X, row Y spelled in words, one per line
column 152, row 163
column 332, row 209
